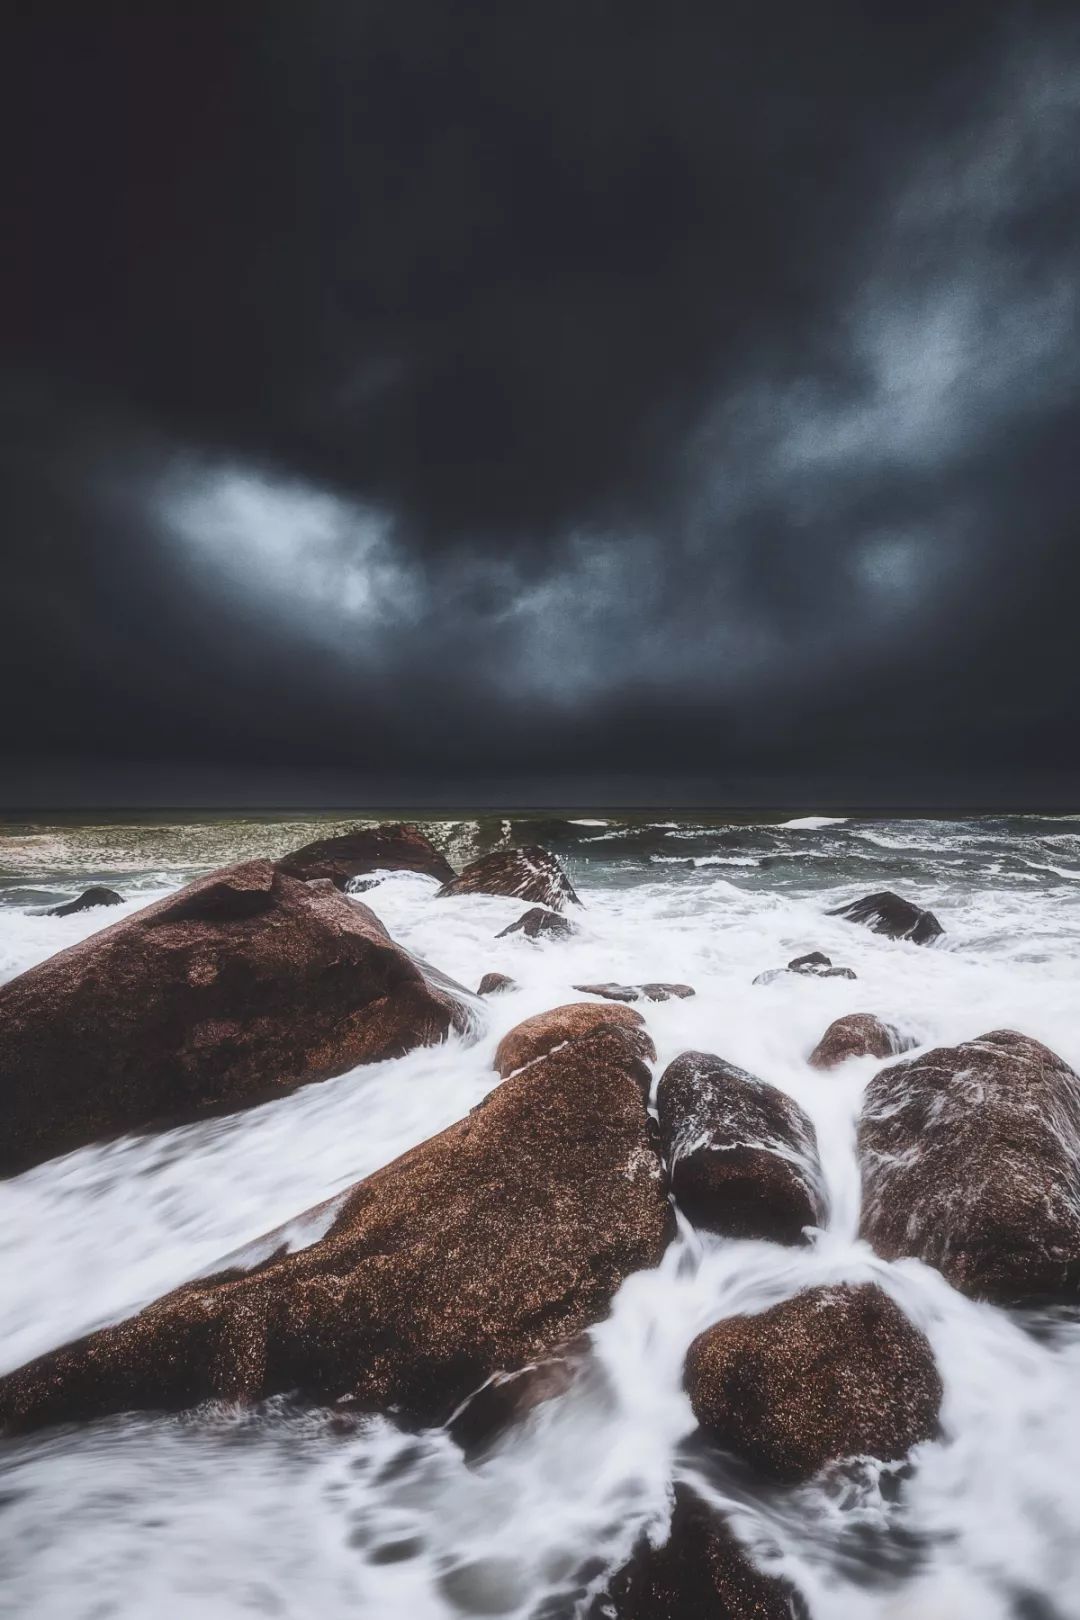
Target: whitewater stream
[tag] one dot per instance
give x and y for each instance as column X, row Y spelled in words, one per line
column 222, row 1513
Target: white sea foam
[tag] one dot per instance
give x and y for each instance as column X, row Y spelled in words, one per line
column 273, row 1513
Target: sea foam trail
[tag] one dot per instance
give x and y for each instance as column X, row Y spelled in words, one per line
column 232, row 1513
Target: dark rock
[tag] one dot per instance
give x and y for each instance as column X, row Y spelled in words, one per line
column 87, row 902
column 637, row 992
column 970, row 1160
column 892, row 915
column 535, row 1037
column 538, row 921
column 479, row 1251
column 700, row 1573
column 742, row 1155
column 508, row 1398
column 398, row 847
column 531, row 874
column 242, row 986
column 856, row 1035
column 815, row 965
column 493, row 984
column 833, row 1372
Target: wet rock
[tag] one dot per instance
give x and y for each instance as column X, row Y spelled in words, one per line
column 87, row 901
column 856, row 1035
column 536, row 1036
column 637, row 992
column 742, row 1155
column 242, row 986
column 398, row 847
column 892, row 915
column 493, row 984
column 970, row 1160
column 479, row 1251
column 538, row 921
column 814, row 965
column 831, row 1373
column 531, row 874
column 508, row 1398
column 701, row 1572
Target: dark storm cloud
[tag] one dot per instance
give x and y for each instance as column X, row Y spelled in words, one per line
column 622, row 398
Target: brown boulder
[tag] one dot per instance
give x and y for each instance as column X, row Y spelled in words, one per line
column 855, row 1035
column 970, row 1160
column 398, row 847
column 493, row 984
column 536, row 1036
column 833, row 1372
column 742, row 1155
column 89, row 900
column 241, row 987
column 637, row 992
column 890, row 914
column 485, row 1248
column 531, row 874
column 700, row 1573
column 538, row 921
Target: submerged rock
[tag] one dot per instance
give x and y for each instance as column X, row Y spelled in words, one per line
column 538, row 921
column 87, row 901
column 535, row 1037
column 814, row 965
column 637, row 992
column 742, row 1155
column 831, row 1373
column 493, row 984
column 508, row 1398
column 242, row 986
column 855, row 1035
column 531, row 874
column 397, row 847
column 890, row 914
column 970, row 1160
column 701, row 1572
column 481, row 1250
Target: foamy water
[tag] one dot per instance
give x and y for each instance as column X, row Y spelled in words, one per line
column 227, row 1513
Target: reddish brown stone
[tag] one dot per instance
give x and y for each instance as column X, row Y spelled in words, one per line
column 397, row 847
column 493, row 984
column 531, row 874
column 241, row 987
column 855, row 1035
column 742, row 1155
column 700, row 1573
column 833, row 1372
column 483, row 1249
column 536, row 1036
column 970, row 1160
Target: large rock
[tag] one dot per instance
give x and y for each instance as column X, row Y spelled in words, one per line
column 855, row 1035
column 243, row 986
column 742, row 1155
column 398, row 847
column 700, row 1573
column 531, row 874
column 479, row 1251
column 833, row 1372
column 971, row 1161
column 537, row 921
column 535, row 1037
column 892, row 915
column 637, row 992
column 89, row 900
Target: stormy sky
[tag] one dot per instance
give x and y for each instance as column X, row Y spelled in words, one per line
column 551, row 403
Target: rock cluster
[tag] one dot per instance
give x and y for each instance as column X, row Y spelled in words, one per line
column 742, row 1155
column 970, row 1161
column 637, row 992
column 479, row 1251
column 240, row 987
column 814, row 965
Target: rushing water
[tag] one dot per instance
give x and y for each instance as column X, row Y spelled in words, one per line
column 226, row 1513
